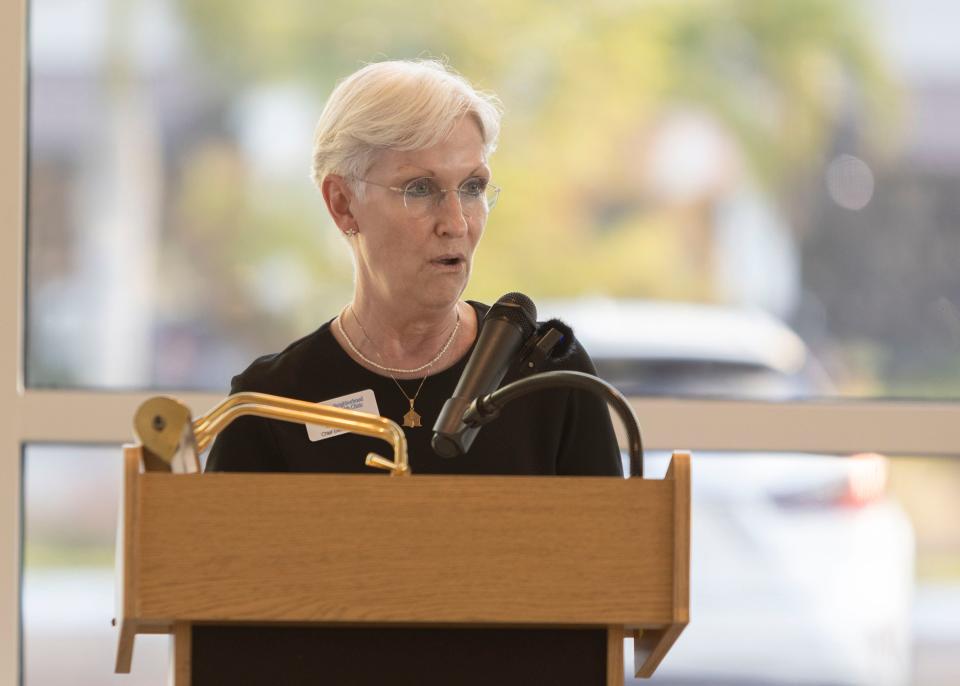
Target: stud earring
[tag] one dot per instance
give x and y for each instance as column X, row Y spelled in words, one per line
column 350, row 232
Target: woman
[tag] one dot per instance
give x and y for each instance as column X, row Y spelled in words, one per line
column 401, row 157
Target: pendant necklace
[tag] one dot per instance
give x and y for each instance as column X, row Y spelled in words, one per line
column 411, row 419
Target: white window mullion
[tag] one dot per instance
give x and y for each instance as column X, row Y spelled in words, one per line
column 835, row 426
column 91, row 416
column 12, row 141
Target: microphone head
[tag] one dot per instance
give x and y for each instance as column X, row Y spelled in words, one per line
column 517, row 309
column 509, row 323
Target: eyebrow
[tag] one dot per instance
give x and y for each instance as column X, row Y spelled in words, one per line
column 429, row 172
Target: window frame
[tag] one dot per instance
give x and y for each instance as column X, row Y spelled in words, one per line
column 27, row 415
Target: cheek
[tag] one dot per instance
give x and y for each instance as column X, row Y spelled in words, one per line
column 383, row 236
column 477, row 233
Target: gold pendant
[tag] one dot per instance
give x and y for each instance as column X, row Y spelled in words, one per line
column 411, row 418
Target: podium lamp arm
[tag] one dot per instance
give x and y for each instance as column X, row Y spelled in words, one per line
column 172, row 442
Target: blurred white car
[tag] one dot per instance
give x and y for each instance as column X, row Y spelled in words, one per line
column 801, row 565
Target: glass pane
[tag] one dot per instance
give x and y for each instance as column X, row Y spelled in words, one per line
column 794, row 159
column 814, row 569
column 70, row 514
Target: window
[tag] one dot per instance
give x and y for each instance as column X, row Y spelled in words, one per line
column 793, row 159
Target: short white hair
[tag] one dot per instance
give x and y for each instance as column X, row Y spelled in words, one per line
column 398, row 105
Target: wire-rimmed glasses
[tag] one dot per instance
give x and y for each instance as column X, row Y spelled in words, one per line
column 423, row 196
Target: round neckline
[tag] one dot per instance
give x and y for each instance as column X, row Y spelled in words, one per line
column 456, row 366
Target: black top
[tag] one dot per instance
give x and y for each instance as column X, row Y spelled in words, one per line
column 546, row 432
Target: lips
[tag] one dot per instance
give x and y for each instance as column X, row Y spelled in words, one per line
column 450, row 260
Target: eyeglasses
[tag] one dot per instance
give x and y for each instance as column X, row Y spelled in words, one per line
column 423, row 196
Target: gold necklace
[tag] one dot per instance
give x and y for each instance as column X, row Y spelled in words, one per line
column 411, row 419
column 394, row 370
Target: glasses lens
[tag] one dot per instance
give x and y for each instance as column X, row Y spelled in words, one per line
column 478, row 195
column 421, row 195
column 491, row 195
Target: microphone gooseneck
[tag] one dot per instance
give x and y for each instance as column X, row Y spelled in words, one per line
column 506, row 327
column 487, row 408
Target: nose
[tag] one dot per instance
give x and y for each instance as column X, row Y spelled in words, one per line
column 451, row 219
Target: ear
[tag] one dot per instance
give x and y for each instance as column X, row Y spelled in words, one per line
column 339, row 197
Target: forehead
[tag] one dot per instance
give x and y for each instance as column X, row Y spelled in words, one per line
column 461, row 153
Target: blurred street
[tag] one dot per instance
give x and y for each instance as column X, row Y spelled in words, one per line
column 936, row 631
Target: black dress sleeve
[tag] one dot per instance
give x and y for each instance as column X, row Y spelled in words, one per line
column 248, row 444
column 588, row 446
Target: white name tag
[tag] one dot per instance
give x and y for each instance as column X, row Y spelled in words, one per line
column 362, row 401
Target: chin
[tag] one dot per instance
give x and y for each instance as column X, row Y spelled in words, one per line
column 444, row 295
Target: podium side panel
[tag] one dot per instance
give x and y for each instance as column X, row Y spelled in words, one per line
column 678, row 474
column 652, row 644
column 124, row 560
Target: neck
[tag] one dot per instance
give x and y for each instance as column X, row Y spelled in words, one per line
column 398, row 336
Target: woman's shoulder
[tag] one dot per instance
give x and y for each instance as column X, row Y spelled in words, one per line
column 568, row 354
column 279, row 373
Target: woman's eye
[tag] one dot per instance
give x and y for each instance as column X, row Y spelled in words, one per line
column 419, row 188
column 474, row 186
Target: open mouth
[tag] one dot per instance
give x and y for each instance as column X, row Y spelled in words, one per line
column 448, row 261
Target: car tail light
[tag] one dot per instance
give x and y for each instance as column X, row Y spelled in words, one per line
column 866, row 481
column 862, row 482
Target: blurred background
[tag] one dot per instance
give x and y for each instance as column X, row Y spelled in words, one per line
column 796, row 161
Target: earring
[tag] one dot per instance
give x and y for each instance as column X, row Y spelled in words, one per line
column 350, row 233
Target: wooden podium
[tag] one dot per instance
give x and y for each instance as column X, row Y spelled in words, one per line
column 407, row 571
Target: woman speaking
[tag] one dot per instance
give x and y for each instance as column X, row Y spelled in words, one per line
column 402, row 158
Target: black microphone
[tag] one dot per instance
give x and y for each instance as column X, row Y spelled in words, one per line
column 507, row 326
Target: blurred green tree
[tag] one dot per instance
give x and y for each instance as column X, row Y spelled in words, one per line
column 583, row 85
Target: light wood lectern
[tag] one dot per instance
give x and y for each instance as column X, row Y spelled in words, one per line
column 442, row 554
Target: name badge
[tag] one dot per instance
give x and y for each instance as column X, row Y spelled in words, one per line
column 362, row 401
